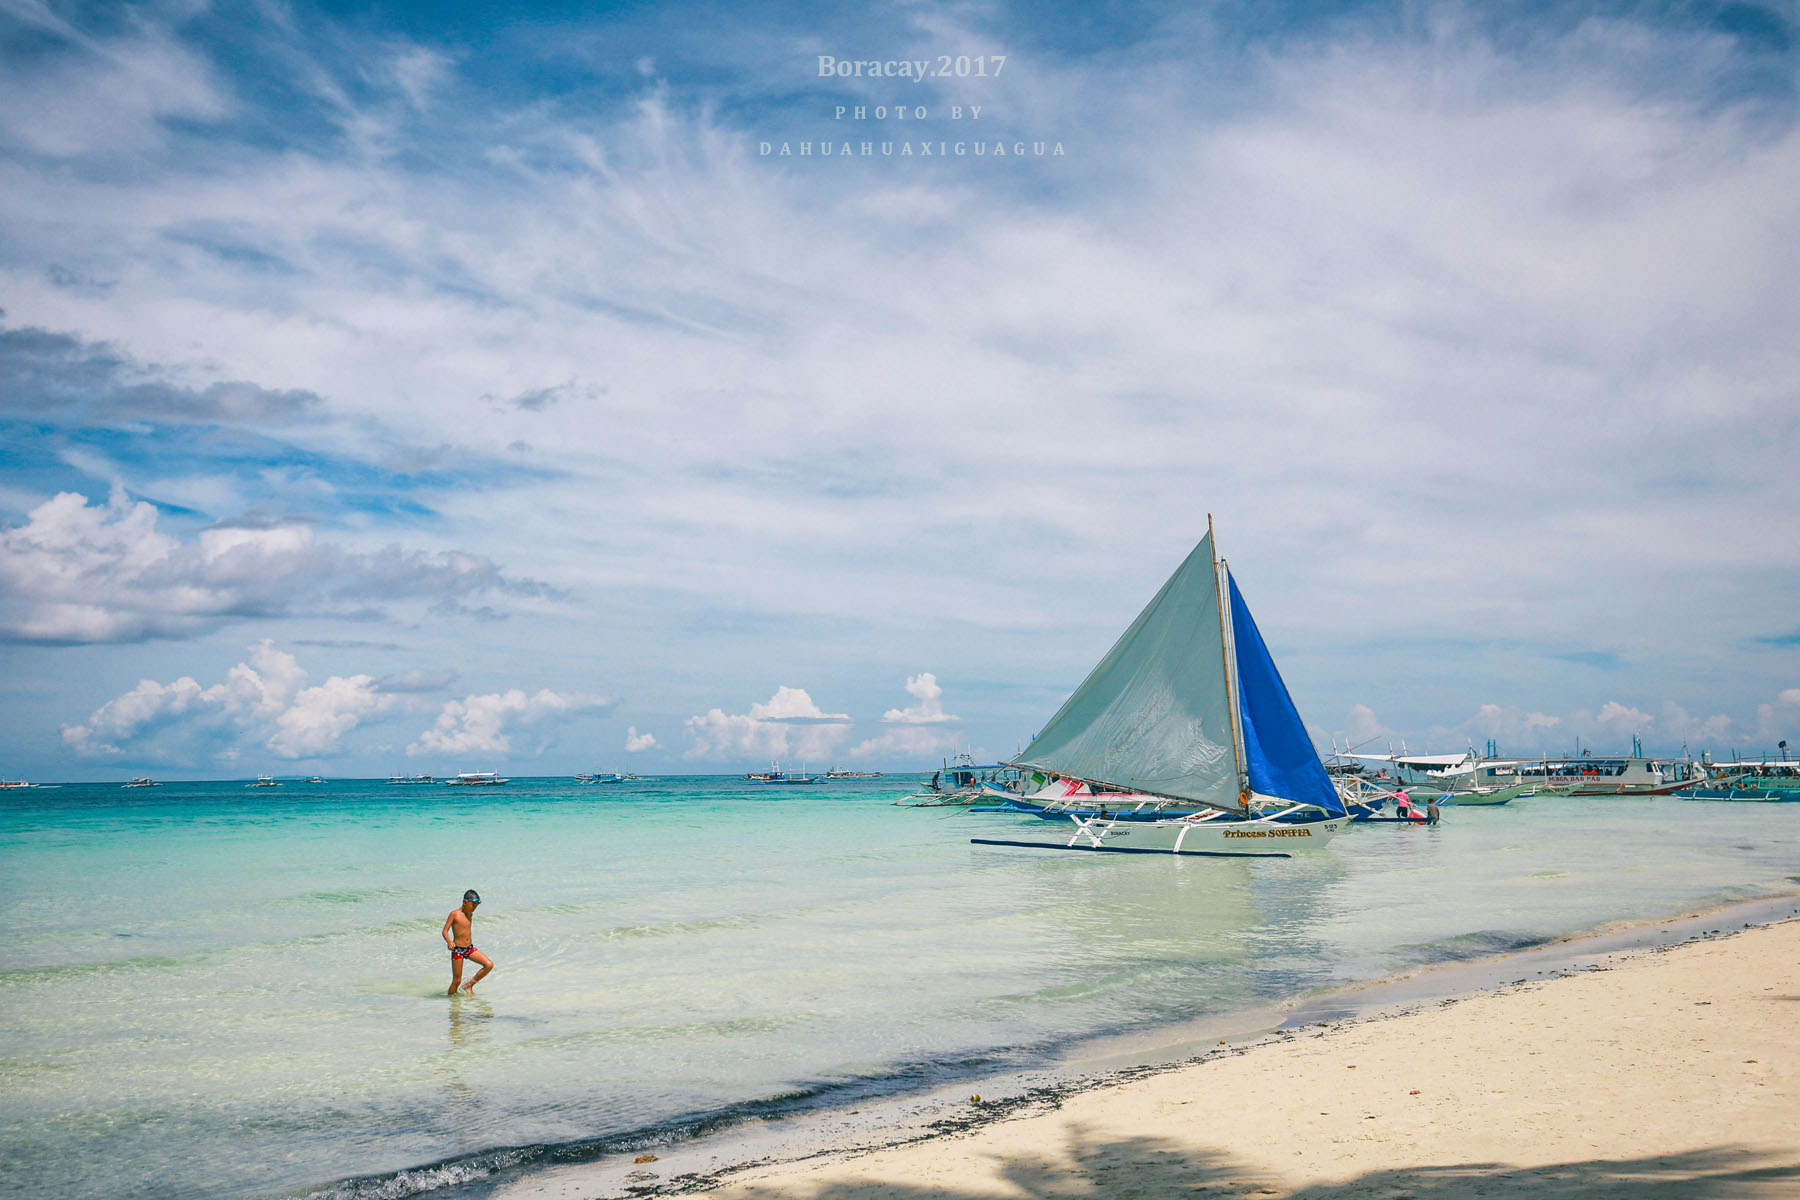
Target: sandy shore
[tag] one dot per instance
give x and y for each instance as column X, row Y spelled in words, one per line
column 1668, row 1073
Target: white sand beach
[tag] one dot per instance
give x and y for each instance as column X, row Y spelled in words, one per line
column 1660, row 1073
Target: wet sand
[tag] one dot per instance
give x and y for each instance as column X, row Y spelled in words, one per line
column 1611, row 1067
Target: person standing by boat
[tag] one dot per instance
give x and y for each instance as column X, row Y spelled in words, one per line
column 459, row 935
column 1403, row 805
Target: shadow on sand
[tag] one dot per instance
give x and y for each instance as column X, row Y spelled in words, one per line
column 1153, row 1168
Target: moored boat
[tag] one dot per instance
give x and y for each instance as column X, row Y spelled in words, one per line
column 963, row 781
column 476, row 779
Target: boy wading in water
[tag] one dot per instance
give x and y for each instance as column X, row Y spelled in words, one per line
column 459, row 935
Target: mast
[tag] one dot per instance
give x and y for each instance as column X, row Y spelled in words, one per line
column 1237, row 732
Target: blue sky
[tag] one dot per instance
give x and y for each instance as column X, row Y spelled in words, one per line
column 387, row 389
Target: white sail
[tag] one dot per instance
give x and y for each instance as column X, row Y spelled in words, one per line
column 1157, row 714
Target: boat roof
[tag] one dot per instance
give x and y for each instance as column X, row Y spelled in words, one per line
column 1435, row 760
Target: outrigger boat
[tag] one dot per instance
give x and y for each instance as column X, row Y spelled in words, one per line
column 1062, row 799
column 1188, row 709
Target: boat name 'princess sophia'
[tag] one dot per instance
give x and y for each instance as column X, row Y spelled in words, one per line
column 1258, row 833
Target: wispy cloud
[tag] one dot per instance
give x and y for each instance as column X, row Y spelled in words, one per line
column 1339, row 277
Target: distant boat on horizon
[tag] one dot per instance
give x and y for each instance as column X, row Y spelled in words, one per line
column 776, row 775
column 476, row 779
column 141, row 781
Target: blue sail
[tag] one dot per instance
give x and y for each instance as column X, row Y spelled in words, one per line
column 1277, row 751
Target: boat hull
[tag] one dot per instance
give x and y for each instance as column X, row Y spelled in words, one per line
column 1743, row 795
column 1263, row 838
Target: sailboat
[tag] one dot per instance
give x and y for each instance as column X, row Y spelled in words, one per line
column 1187, row 707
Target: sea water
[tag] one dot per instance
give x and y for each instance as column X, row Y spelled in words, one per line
column 211, row 990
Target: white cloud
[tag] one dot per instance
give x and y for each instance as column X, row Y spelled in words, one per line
column 320, row 716
column 1698, row 732
column 484, row 724
column 1510, row 722
column 905, row 742
column 75, row 573
column 787, row 725
column 1416, row 246
column 1624, row 717
column 263, row 701
column 913, row 732
column 636, row 743
column 930, row 707
column 1780, row 720
column 1361, row 725
column 83, row 95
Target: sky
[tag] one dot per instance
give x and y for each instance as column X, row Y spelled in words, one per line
column 676, row 388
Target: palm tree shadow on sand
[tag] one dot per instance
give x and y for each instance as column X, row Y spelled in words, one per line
column 1152, row 1168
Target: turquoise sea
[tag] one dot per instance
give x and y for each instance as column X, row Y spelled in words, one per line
column 216, row 991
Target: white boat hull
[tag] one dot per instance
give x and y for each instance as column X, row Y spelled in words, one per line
column 1209, row 838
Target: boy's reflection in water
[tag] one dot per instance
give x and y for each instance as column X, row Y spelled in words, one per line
column 469, row 1016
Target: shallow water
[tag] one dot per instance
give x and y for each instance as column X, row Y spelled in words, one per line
column 217, row 991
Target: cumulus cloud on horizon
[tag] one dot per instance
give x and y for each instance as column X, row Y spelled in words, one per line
column 788, row 724
column 486, row 724
column 929, row 710
column 263, row 704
